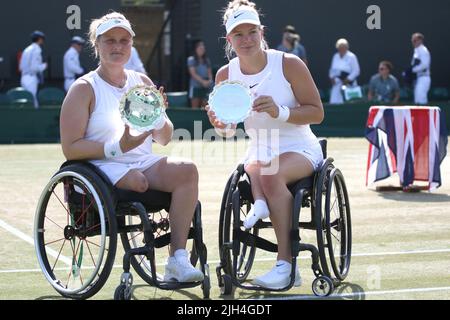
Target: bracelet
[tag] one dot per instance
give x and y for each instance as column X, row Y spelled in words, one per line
column 283, row 113
column 112, row 149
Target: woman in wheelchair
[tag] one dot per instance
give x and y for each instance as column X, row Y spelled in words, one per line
column 282, row 147
column 92, row 130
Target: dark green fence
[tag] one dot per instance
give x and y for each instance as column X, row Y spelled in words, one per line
column 27, row 125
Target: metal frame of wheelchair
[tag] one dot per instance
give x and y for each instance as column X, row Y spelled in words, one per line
column 330, row 218
column 92, row 214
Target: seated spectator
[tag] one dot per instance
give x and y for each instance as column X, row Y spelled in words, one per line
column 383, row 86
column 201, row 79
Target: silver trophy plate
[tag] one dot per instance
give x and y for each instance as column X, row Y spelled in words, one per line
column 231, row 102
column 142, row 108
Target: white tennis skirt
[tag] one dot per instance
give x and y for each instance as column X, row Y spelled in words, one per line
column 117, row 170
column 265, row 154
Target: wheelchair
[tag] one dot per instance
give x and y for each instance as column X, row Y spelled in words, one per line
column 325, row 193
column 78, row 219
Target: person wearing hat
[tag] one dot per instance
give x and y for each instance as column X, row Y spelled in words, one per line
column 343, row 71
column 92, row 129
column 31, row 65
column 71, row 62
column 282, row 147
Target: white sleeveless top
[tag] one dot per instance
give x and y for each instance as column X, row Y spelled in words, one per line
column 105, row 124
column 264, row 130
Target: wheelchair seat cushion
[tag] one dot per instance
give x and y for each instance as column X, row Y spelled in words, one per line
column 152, row 200
column 246, row 190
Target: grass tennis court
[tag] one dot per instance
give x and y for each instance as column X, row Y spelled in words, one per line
column 401, row 241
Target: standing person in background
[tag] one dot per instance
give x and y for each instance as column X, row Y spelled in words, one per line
column 200, row 72
column 383, row 86
column 291, row 43
column 71, row 62
column 421, row 63
column 135, row 62
column 343, row 71
column 31, row 65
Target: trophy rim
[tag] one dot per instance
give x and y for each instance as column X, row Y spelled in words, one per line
column 228, row 83
column 161, row 101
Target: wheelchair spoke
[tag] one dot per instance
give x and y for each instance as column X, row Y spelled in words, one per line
column 59, row 253
column 54, row 222
column 62, row 204
column 51, row 242
column 90, row 253
column 83, row 214
column 95, row 244
column 133, row 237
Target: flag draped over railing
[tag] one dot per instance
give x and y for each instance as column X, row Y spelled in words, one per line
column 411, row 141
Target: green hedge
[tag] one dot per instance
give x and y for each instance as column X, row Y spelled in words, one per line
column 28, row 125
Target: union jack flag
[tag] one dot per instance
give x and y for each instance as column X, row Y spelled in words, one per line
column 411, row 141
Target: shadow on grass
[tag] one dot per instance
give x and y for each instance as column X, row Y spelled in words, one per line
column 423, row 196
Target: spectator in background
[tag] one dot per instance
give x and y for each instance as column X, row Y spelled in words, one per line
column 31, row 65
column 383, row 87
column 343, row 71
column 421, row 64
column 71, row 62
column 291, row 43
column 135, row 62
column 200, row 72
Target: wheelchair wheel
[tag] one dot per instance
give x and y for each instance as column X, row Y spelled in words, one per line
column 76, row 232
column 333, row 223
column 338, row 225
column 246, row 254
column 135, row 239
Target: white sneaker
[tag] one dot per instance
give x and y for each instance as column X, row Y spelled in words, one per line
column 180, row 269
column 259, row 211
column 279, row 277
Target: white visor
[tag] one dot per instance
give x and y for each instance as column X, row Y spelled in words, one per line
column 242, row 16
column 114, row 23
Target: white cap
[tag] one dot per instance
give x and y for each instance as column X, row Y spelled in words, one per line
column 78, row 40
column 244, row 15
column 114, row 23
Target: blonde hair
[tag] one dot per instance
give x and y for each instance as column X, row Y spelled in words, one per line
column 232, row 7
column 92, row 34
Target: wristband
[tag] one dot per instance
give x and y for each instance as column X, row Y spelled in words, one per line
column 228, row 132
column 283, row 113
column 112, row 149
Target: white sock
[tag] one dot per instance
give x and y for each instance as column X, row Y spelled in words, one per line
column 260, row 210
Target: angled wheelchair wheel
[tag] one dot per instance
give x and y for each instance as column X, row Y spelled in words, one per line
column 75, row 232
column 338, row 225
column 135, row 239
column 319, row 208
column 246, row 254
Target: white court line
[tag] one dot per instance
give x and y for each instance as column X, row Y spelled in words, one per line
column 216, row 262
column 359, row 294
column 30, row 240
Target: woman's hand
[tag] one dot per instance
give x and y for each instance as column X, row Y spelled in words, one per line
column 266, row 104
column 129, row 142
column 213, row 120
column 166, row 102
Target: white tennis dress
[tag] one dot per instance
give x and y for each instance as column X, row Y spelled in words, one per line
column 105, row 124
column 271, row 137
